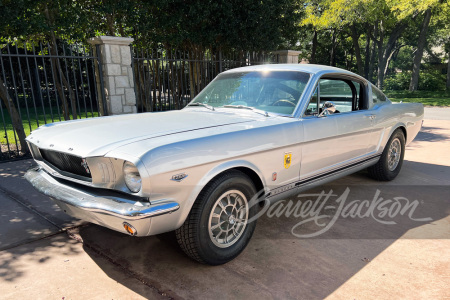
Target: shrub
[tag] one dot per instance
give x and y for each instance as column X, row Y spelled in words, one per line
column 429, row 80
column 397, row 81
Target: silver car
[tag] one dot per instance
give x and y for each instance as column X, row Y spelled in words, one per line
column 260, row 133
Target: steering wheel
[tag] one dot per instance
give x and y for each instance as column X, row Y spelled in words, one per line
column 284, row 101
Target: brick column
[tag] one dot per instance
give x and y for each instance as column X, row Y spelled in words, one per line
column 287, row 56
column 117, row 73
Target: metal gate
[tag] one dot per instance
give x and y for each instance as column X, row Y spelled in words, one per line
column 169, row 79
column 41, row 84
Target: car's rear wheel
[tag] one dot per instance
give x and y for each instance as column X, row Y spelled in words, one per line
column 218, row 228
column 391, row 160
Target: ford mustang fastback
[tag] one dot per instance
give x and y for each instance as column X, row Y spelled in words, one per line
column 260, row 133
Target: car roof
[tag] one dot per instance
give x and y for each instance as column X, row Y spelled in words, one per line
column 309, row 68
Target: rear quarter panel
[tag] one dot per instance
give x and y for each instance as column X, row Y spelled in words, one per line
column 392, row 116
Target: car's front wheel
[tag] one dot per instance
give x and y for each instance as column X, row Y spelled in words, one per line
column 391, row 160
column 218, row 228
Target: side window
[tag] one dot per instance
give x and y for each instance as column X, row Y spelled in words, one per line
column 377, row 95
column 337, row 91
column 312, row 110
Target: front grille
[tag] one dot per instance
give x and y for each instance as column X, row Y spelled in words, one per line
column 65, row 162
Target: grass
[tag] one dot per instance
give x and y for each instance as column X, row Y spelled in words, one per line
column 36, row 117
column 428, row 98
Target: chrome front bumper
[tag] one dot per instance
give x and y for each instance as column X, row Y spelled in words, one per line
column 107, row 211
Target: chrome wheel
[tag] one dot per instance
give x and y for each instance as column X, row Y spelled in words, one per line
column 228, row 218
column 394, row 154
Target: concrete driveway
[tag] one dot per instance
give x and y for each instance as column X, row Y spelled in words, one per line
column 46, row 254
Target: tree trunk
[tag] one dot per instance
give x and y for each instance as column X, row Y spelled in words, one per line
column 367, row 53
column 110, row 24
column 355, row 39
column 381, row 63
column 373, row 53
column 419, row 52
column 15, row 117
column 384, row 55
column 56, row 69
column 333, row 49
column 314, row 48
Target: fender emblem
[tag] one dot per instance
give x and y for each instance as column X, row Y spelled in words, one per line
column 179, row 177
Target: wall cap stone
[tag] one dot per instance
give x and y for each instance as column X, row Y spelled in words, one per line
column 110, row 40
column 287, row 52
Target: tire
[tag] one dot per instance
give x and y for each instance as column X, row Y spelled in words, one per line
column 389, row 165
column 202, row 236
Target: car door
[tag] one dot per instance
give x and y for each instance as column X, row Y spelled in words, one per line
column 354, row 123
column 338, row 139
column 318, row 145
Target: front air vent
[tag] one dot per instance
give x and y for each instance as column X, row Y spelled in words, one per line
column 66, row 162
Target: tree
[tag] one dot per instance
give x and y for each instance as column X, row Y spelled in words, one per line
column 419, row 51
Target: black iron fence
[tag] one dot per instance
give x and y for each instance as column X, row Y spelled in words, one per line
column 41, row 84
column 169, row 79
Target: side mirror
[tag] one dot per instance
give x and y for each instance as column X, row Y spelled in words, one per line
column 328, row 108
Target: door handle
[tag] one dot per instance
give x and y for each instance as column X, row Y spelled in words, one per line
column 372, row 117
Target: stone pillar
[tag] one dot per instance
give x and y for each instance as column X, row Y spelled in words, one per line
column 117, row 73
column 287, row 56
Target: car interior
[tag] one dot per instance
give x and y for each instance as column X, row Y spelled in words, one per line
column 346, row 95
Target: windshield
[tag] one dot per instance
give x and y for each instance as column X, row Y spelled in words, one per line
column 270, row 91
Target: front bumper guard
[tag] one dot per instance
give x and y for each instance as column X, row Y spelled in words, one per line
column 111, row 212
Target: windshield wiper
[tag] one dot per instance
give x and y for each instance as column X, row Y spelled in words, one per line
column 258, row 111
column 202, row 104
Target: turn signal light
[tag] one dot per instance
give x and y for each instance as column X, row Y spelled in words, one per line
column 129, row 228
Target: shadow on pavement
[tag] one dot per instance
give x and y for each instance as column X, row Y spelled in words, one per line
column 12, row 268
column 277, row 264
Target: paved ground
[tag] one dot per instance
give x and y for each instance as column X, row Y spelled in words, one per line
column 46, row 254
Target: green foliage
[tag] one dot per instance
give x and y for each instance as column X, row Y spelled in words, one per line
column 397, row 81
column 249, row 25
column 429, row 80
column 429, row 98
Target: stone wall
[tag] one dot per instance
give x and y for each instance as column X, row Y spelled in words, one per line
column 117, row 73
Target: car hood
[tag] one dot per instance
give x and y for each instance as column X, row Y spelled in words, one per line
column 98, row 136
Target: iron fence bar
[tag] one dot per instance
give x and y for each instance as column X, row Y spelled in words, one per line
column 160, row 84
column 30, row 83
column 82, row 87
column 102, row 87
column 23, row 89
column 139, row 97
column 167, row 87
column 89, row 83
column 184, row 73
column 15, row 95
column 77, row 99
column 39, row 84
column 46, row 84
column 69, row 88
column 98, row 93
column 134, row 76
column 1, row 110
column 146, row 104
column 54, row 85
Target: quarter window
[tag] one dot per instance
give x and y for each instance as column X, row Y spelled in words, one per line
column 377, row 95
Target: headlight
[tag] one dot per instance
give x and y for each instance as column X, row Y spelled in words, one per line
column 132, row 177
